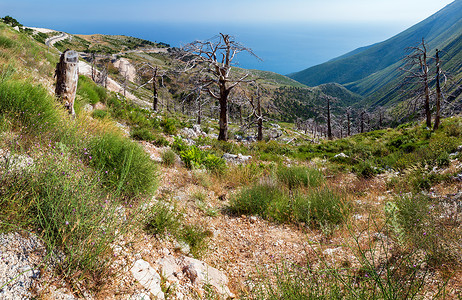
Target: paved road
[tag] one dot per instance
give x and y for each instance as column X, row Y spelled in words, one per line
column 54, row 39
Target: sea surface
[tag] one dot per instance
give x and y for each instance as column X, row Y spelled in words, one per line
column 283, row 48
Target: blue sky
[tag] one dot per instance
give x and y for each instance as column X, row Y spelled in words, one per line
column 289, row 35
column 406, row 12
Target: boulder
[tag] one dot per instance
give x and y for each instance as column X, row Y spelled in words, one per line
column 201, row 273
column 148, row 278
column 341, row 155
column 237, row 159
column 14, row 163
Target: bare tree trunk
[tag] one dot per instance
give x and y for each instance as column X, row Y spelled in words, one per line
column 223, row 122
column 199, row 112
column 260, row 120
column 67, row 78
column 155, row 96
column 329, row 128
column 348, row 124
column 362, row 122
column 423, row 64
column 438, row 92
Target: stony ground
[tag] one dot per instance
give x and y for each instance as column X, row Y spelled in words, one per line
column 239, row 249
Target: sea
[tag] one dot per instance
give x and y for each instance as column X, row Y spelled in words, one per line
column 283, row 48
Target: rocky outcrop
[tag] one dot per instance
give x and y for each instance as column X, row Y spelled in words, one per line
column 148, row 278
column 198, row 273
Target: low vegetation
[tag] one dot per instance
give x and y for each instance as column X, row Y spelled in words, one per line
column 388, row 201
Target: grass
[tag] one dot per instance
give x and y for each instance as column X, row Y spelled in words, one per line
column 319, row 207
column 124, row 166
column 298, row 176
column 165, row 221
column 61, row 201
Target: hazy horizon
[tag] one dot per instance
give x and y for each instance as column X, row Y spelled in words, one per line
column 289, row 36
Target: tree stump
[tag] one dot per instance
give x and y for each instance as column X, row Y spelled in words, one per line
column 67, row 77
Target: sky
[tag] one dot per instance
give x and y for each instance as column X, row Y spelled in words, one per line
column 289, row 35
column 401, row 11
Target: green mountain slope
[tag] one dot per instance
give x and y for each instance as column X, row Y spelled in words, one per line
column 439, row 30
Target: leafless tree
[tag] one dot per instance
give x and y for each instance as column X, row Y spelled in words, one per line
column 153, row 73
column 417, row 69
column 213, row 59
column 439, row 97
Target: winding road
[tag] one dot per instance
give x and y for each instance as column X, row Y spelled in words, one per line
column 57, row 38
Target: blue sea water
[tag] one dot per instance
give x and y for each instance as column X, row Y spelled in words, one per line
column 283, row 48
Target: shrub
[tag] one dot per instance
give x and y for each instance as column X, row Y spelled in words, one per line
column 125, row 167
column 443, row 160
column 418, row 224
column 162, row 219
column 31, row 106
column 99, row 114
column 364, row 169
column 298, row 176
column 60, row 201
column 169, row 126
column 168, row 157
column 255, row 200
column 142, row 134
column 327, row 208
column 195, row 236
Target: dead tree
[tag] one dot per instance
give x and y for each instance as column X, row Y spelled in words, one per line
column 214, row 59
column 439, row 97
column 154, row 73
column 417, row 69
column 67, row 77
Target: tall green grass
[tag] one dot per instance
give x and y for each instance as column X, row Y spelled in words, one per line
column 318, row 207
column 61, row 201
column 31, row 107
column 125, row 168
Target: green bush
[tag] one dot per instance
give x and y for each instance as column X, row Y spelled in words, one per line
column 443, row 160
column 195, row 236
column 142, row 134
column 169, row 126
column 99, row 114
column 6, row 42
column 125, row 167
column 256, row 199
column 162, row 219
column 61, row 202
column 327, row 208
column 364, row 169
column 168, row 157
column 30, row 106
column 297, row 176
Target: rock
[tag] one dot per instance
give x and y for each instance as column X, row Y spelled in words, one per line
column 331, row 251
column 169, row 268
column 238, row 159
column 341, row 155
column 88, row 108
column 15, row 163
column 140, row 296
column 183, row 247
column 147, row 277
column 189, row 133
column 201, row 273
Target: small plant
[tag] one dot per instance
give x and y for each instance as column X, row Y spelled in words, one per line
column 169, row 126
column 125, row 167
column 168, row 157
column 163, row 219
column 100, row 114
column 195, row 236
column 142, row 134
column 298, row 176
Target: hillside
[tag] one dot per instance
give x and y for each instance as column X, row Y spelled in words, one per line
column 123, row 202
column 373, row 71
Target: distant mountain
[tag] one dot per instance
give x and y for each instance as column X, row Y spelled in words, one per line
column 373, row 71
